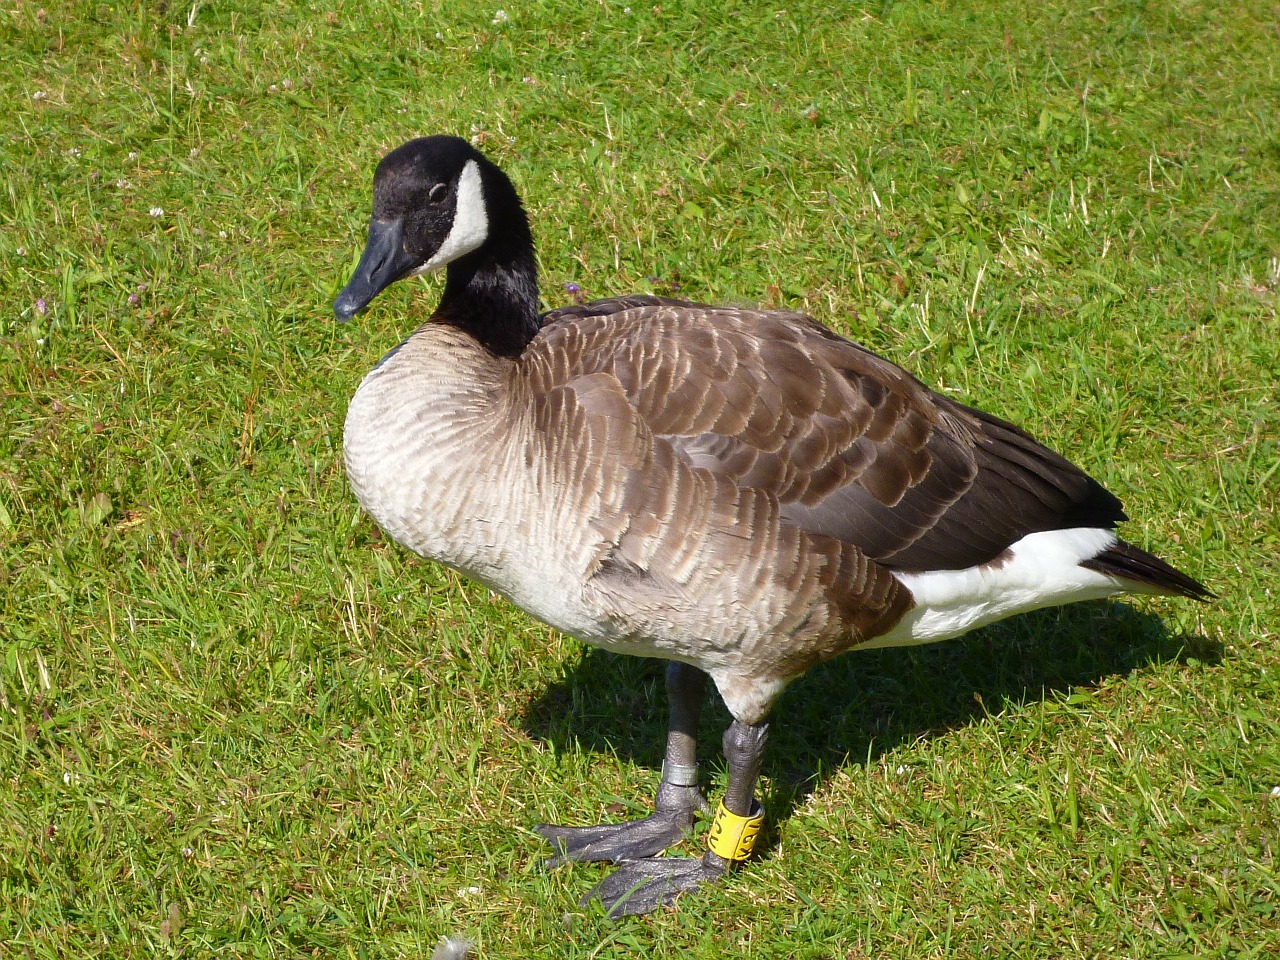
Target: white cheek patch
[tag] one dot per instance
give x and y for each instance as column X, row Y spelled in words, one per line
column 470, row 222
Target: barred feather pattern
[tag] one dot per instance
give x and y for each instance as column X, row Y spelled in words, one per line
column 741, row 490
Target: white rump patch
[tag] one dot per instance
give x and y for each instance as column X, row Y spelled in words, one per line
column 1040, row 570
column 470, row 222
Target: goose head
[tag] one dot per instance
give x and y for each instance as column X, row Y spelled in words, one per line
column 439, row 203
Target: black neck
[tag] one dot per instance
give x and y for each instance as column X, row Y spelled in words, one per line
column 492, row 293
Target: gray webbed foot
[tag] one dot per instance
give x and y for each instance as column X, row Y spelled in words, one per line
column 670, row 824
column 641, row 886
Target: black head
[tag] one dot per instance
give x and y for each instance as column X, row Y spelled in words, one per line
column 435, row 201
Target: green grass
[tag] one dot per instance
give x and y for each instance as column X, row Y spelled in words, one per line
column 235, row 720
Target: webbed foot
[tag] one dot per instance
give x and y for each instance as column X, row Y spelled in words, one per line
column 671, row 823
column 641, row 886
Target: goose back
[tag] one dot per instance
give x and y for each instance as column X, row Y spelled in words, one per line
column 852, row 446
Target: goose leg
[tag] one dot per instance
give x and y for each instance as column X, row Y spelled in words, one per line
column 678, row 797
column 640, row 886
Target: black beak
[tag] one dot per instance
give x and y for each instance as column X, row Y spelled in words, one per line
column 383, row 262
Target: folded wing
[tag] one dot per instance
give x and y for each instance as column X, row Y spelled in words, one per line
column 849, row 444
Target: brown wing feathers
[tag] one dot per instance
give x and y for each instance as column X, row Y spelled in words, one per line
column 852, row 446
column 604, row 308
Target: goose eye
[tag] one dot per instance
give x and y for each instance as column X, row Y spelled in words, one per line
column 437, row 193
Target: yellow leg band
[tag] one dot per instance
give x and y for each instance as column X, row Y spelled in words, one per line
column 733, row 837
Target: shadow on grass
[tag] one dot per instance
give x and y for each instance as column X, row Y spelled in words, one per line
column 862, row 705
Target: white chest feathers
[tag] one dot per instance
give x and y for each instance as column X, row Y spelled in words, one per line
column 434, row 459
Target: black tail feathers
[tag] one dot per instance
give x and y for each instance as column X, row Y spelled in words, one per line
column 1127, row 562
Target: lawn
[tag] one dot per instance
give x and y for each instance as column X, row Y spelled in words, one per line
column 235, row 720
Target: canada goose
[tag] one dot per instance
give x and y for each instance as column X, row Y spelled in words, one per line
column 740, row 492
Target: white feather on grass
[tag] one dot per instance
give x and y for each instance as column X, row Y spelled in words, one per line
column 451, row 948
